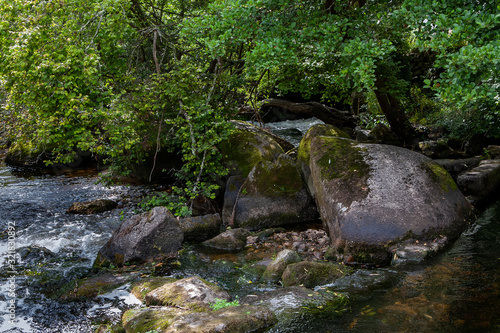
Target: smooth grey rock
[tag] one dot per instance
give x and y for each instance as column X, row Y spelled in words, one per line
column 153, row 235
column 371, row 195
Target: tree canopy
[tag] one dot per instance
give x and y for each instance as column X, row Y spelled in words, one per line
column 127, row 78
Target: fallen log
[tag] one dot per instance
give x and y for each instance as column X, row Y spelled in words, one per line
column 325, row 113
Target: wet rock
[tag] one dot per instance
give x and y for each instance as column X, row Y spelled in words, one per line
column 457, row 166
column 34, row 254
column 414, row 252
column 149, row 319
column 247, row 146
column 230, row 240
column 291, row 303
column 190, row 293
column 200, row 228
column 370, row 195
column 154, row 235
column 275, row 269
column 141, row 288
column 481, row 183
column 92, row 207
column 312, row 273
column 96, row 285
column 235, row 319
column 273, row 195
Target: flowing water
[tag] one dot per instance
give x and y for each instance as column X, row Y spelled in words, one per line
column 458, row 291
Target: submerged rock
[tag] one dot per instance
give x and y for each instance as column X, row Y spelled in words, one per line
column 371, row 195
column 273, row 195
column 231, row 240
column 312, row 273
column 234, row 319
column 92, row 207
column 154, row 235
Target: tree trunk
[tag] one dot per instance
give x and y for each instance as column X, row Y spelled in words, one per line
column 394, row 114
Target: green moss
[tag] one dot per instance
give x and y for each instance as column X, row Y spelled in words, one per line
column 441, row 176
column 303, row 154
column 342, row 159
column 141, row 288
column 145, row 319
column 243, row 149
column 278, row 179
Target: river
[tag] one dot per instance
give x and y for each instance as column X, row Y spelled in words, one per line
column 457, row 291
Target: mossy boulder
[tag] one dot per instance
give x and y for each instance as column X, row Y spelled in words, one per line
column 191, row 293
column 276, row 268
column 149, row 319
column 92, row 207
column 141, row 288
column 303, row 154
column 230, row 240
column 371, row 196
column 247, row 146
column 312, row 273
column 153, row 235
column 96, row 285
column 234, row 319
column 200, row 228
column 274, row 194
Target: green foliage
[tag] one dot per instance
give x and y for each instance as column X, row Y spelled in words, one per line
column 175, row 204
column 222, row 303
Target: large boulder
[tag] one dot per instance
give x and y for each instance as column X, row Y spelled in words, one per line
column 371, row 196
column 248, row 145
column 154, row 235
column 274, row 194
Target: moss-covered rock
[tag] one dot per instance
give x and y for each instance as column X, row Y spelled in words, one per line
column 95, row 285
column 274, row 194
column 372, row 196
column 247, row 146
column 234, row 319
column 149, row 319
column 276, row 268
column 200, row 228
column 312, row 273
column 230, row 240
column 191, row 293
column 303, row 154
column 141, row 288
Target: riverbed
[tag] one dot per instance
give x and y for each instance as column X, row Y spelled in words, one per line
column 457, row 291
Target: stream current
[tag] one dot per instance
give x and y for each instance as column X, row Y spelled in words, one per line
column 457, row 291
